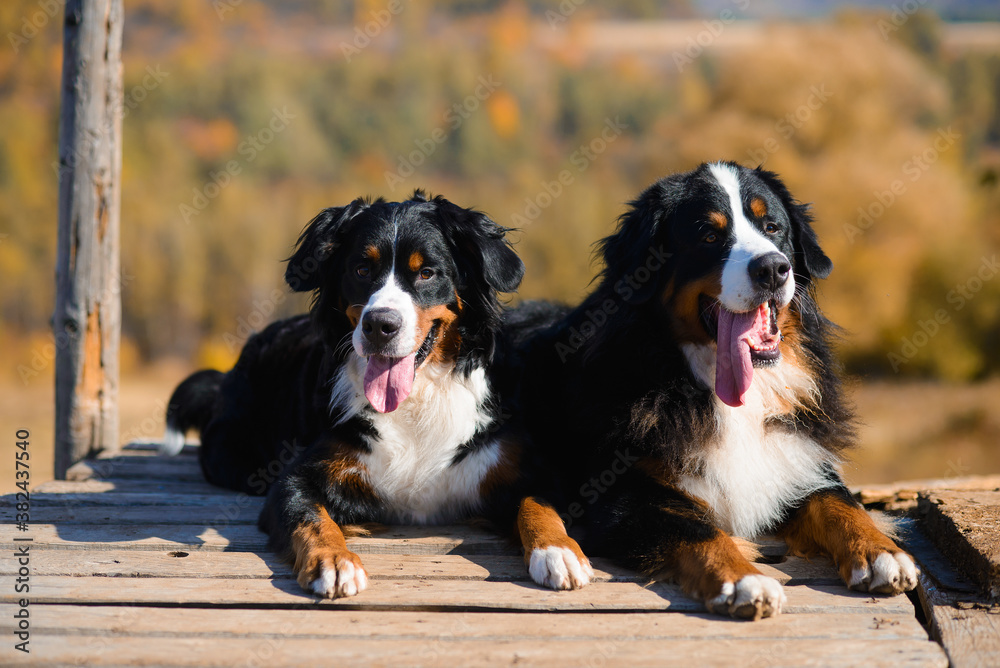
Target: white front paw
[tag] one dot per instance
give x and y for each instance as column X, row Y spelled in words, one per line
column 559, row 568
column 753, row 597
column 889, row 573
column 344, row 579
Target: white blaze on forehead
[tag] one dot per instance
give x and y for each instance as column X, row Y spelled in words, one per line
column 738, row 292
column 391, row 296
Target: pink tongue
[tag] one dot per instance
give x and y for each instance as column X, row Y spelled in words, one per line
column 733, row 366
column 388, row 381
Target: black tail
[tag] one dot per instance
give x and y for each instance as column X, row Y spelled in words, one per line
column 190, row 407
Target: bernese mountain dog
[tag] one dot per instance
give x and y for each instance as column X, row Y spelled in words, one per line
column 693, row 396
column 380, row 405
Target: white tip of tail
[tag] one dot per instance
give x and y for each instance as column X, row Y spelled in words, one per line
column 172, row 443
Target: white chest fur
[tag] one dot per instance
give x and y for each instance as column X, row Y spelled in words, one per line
column 751, row 474
column 410, row 463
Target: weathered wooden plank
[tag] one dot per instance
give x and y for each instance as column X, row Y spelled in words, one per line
column 426, row 594
column 153, row 502
column 964, row 526
column 233, row 529
column 141, row 448
column 215, row 510
column 243, row 537
column 351, row 624
column 970, row 634
column 128, row 486
column 138, row 468
column 277, row 651
column 907, row 490
column 196, row 564
column 932, row 563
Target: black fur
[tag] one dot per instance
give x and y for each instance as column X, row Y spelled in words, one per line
column 269, row 419
column 608, row 382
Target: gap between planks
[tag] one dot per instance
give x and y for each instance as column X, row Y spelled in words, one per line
column 343, row 624
column 247, row 565
column 425, row 595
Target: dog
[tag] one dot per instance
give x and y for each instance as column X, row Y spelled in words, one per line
column 693, row 396
column 380, row 404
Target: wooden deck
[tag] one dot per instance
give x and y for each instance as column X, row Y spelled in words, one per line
column 142, row 563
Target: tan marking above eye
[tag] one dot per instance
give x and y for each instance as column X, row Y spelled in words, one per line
column 371, row 253
column 416, row 261
column 718, row 219
column 758, row 207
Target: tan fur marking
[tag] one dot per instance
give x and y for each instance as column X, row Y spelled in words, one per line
column 540, row 526
column 504, row 473
column 371, row 253
column 319, row 543
column 758, row 207
column 448, row 338
column 416, row 261
column 829, row 525
column 684, row 307
column 354, row 313
column 718, row 219
column 702, row 568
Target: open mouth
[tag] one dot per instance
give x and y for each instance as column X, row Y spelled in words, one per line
column 744, row 341
column 428, row 345
column 389, row 380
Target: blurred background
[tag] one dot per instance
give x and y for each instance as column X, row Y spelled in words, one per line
column 242, row 119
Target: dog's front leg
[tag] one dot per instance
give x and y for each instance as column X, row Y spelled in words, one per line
column 553, row 558
column 297, row 516
column 831, row 522
column 662, row 531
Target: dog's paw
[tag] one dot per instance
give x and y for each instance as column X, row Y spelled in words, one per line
column 559, row 568
column 752, row 597
column 884, row 573
column 335, row 575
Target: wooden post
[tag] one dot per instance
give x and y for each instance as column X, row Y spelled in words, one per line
column 87, row 318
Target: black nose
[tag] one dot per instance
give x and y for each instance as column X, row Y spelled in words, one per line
column 769, row 271
column 380, row 325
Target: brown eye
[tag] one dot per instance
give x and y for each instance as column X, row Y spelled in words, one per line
column 771, row 228
column 426, row 273
column 710, row 238
column 363, row 270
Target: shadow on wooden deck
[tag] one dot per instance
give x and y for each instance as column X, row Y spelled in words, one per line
column 141, row 562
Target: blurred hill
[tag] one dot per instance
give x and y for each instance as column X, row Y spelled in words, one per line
column 243, row 119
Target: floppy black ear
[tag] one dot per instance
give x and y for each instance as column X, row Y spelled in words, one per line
column 639, row 241
column 483, row 249
column 316, row 244
column 815, row 261
column 810, row 260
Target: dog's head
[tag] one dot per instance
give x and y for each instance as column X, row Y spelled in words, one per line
column 723, row 250
column 411, row 283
